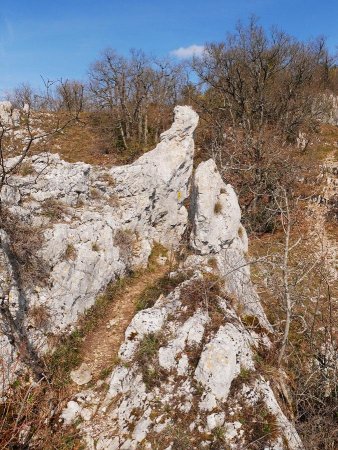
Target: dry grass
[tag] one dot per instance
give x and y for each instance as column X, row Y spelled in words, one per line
column 259, row 425
column 28, row 419
column 95, row 247
column 162, row 286
column 26, row 168
column 126, row 240
column 70, row 253
column 218, row 207
column 40, row 316
column 53, row 209
column 107, row 178
column 202, row 293
column 29, row 267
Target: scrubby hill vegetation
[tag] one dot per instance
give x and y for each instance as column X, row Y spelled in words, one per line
column 265, row 102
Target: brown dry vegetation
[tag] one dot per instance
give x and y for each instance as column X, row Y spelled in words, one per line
column 31, row 411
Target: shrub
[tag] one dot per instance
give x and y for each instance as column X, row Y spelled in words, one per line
column 28, row 266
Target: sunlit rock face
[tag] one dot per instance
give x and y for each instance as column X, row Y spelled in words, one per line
column 93, row 214
column 187, row 373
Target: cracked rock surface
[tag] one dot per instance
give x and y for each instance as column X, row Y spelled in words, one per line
column 187, row 373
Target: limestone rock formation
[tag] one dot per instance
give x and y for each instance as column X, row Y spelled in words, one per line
column 187, row 373
column 9, row 116
column 201, row 383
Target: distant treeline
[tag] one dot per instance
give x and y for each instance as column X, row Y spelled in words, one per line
column 258, row 94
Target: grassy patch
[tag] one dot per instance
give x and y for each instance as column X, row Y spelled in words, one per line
column 147, row 358
column 65, row 358
column 164, row 286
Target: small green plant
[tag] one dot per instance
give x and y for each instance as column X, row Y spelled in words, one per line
column 148, row 347
column 147, row 359
column 66, row 357
column 106, row 372
column 219, row 435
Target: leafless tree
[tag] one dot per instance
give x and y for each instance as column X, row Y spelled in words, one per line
column 257, row 92
column 135, row 93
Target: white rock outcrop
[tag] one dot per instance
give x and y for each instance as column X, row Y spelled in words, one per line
column 217, row 216
column 97, row 224
column 9, row 116
column 185, row 390
column 222, row 359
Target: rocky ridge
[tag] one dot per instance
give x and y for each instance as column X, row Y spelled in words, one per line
column 188, row 373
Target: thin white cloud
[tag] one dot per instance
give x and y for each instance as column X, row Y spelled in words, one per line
column 188, row 52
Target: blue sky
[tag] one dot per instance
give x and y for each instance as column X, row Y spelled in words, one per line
column 61, row 38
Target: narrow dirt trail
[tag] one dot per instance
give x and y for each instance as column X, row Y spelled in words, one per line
column 101, row 345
